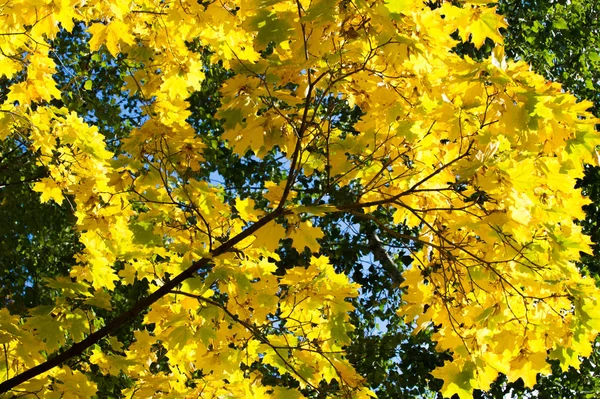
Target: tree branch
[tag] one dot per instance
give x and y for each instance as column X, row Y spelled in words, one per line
column 126, row 317
column 384, row 258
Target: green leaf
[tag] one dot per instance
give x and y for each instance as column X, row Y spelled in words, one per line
column 594, row 57
column 560, row 24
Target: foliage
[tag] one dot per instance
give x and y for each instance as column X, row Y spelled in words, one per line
column 560, row 40
column 220, row 232
column 31, row 245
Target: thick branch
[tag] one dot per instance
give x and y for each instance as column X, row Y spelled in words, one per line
column 384, row 258
column 24, row 181
column 78, row 348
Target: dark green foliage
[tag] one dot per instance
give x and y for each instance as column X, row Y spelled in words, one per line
column 560, row 39
column 36, row 240
column 590, row 185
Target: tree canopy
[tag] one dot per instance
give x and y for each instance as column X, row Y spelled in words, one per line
column 560, row 40
column 218, row 174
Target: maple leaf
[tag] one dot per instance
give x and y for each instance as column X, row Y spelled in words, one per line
column 456, row 379
column 8, row 67
column 246, row 209
column 110, row 35
column 74, row 384
column 176, row 86
column 528, row 367
column 100, row 299
column 355, row 118
column 268, row 237
column 305, row 235
column 404, row 6
column 49, row 189
column 103, row 275
column 51, row 329
column 485, row 23
column 476, row 24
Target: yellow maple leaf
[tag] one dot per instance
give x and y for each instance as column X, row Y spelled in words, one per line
column 457, row 379
column 286, row 393
column 404, row 6
column 110, row 35
column 305, row 235
column 268, row 237
column 74, row 384
column 176, row 86
column 485, row 23
column 246, row 209
column 195, row 75
column 527, row 366
column 103, row 275
column 478, row 23
column 8, row 67
column 50, row 190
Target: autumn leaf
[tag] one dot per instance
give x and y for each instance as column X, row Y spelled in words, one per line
column 268, row 237
column 246, row 209
column 49, row 189
column 110, row 35
column 305, row 235
column 404, row 6
column 486, row 23
column 227, row 165
column 476, row 23
column 456, row 379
